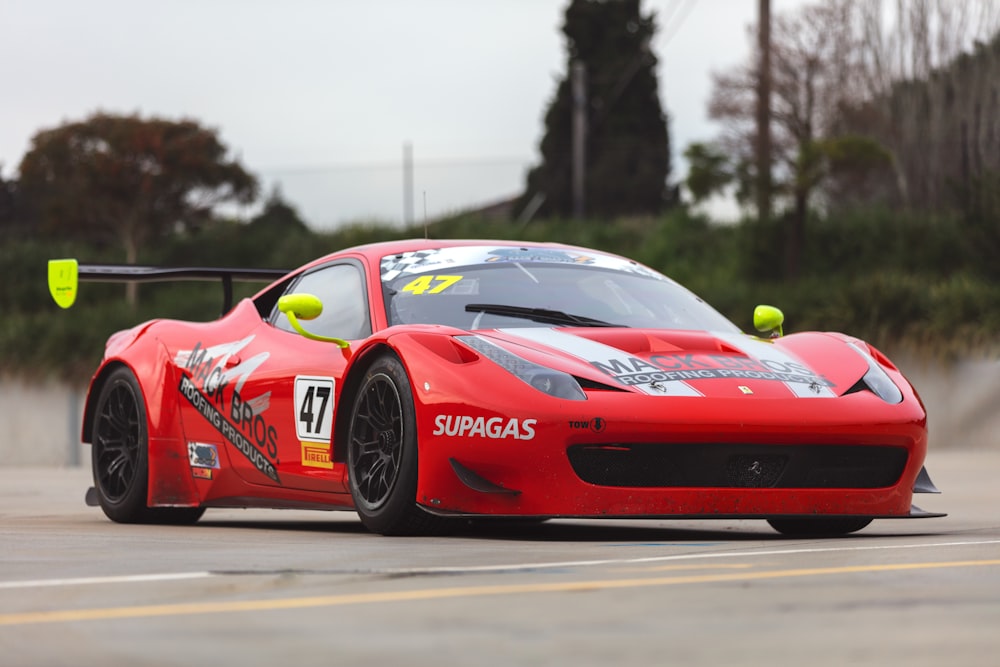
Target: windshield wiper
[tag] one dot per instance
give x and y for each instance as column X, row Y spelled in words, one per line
column 544, row 315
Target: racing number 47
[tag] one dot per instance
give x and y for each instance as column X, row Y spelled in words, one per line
column 313, row 412
column 306, row 412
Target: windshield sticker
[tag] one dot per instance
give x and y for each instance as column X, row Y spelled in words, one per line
column 417, row 261
column 426, row 284
column 537, row 255
column 444, row 260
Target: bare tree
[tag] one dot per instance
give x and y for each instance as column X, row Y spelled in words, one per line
column 811, row 77
column 932, row 108
column 888, row 99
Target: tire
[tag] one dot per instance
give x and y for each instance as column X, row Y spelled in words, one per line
column 120, row 455
column 820, row 526
column 382, row 453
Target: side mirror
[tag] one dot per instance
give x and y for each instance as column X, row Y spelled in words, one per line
column 768, row 319
column 306, row 307
column 301, row 306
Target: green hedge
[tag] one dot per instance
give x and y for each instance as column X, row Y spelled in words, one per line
column 897, row 281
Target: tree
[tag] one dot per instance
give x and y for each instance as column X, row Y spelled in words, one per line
column 128, row 180
column 812, row 66
column 278, row 216
column 709, row 171
column 6, row 202
column 627, row 144
column 931, row 96
column 872, row 101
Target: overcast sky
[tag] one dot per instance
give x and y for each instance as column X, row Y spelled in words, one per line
column 320, row 96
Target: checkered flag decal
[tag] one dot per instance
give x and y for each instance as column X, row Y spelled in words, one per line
column 397, row 264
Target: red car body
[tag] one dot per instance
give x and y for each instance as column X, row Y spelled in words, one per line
column 670, row 422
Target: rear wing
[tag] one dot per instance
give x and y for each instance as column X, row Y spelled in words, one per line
column 65, row 274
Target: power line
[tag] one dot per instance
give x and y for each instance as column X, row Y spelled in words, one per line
column 495, row 161
column 669, row 31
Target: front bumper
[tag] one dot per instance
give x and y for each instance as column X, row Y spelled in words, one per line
column 849, row 456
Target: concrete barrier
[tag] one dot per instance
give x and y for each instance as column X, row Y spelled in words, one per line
column 40, row 422
column 962, row 400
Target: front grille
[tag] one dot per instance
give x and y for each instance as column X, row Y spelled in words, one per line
column 728, row 465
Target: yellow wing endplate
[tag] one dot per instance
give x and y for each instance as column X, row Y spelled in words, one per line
column 63, row 281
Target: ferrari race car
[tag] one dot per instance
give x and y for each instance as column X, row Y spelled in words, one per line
column 424, row 382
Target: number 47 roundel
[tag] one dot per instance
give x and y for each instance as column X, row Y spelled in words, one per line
column 313, row 408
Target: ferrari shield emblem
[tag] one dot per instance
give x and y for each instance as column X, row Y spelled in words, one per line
column 63, row 281
column 745, row 389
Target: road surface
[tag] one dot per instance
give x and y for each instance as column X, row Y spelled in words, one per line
column 294, row 588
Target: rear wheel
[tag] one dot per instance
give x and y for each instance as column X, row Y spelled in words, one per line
column 819, row 526
column 382, row 453
column 120, row 456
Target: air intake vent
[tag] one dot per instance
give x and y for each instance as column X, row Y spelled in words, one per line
column 727, row 465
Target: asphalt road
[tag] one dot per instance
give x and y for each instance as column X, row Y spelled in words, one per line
column 297, row 588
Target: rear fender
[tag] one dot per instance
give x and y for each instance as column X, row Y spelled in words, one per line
column 170, row 480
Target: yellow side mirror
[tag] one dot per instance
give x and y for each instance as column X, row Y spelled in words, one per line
column 768, row 319
column 301, row 306
column 306, row 307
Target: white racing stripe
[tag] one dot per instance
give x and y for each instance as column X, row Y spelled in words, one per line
column 592, row 351
column 781, row 364
column 770, row 363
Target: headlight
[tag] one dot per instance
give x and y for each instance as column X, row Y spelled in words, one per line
column 546, row 380
column 878, row 380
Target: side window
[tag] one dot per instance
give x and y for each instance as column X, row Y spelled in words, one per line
column 341, row 288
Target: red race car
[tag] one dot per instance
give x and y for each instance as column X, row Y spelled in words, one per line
column 421, row 382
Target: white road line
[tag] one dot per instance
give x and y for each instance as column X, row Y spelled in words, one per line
column 511, row 567
column 660, row 559
column 123, row 579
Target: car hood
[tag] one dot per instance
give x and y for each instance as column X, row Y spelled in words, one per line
column 693, row 363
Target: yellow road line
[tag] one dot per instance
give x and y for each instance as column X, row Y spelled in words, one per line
column 147, row 611
column 675, row 568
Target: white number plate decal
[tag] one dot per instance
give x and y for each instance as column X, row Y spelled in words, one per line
column 313, row 408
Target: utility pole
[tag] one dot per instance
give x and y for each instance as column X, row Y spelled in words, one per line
column 578, row 82
column 764, row 111
column 407, row 184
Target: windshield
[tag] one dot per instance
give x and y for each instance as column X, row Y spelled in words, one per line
column 505, row 287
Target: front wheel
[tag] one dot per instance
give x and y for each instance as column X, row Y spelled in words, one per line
column 819, row 526
column 382, row 453
column 120, row 455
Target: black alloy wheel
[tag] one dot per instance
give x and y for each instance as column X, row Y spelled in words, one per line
column 382, row 453
column 120, row 456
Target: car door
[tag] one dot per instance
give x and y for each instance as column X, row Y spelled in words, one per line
column 272, row 391
column 311, row 371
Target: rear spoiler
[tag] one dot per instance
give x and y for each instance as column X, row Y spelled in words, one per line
column 65, row 274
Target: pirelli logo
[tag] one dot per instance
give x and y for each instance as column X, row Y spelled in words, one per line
column 316, row 455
